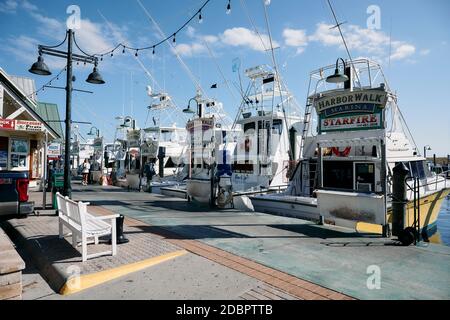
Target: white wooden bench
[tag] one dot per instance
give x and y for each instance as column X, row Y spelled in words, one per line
column 84, row 226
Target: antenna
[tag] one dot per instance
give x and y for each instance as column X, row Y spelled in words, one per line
column 338, row 25
column 390, row 47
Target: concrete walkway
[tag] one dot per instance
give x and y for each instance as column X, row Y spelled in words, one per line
column 335, row 258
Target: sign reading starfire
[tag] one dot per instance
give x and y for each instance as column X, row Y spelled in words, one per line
column 351, row 122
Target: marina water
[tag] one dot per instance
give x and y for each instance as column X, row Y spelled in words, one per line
column 443, row 224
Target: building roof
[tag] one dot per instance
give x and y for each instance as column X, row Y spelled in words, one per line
column 50, row 113
column 26, row 101
column 27, row 85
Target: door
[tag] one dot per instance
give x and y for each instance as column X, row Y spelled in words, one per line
column 365, row 177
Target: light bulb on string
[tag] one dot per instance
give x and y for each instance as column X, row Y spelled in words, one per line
column 174, row 38
column 101, row 58
column 136, row 54
column 123, row 51
column 200, row 18
column 228, row 7
column 153, row 52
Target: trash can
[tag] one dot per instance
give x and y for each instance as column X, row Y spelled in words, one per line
column 57, row 186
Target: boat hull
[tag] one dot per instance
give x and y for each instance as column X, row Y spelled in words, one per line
column 299, row 207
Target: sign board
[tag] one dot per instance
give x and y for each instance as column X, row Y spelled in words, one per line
column 54, row 150
column 358, row 110
column 6, row 124
column 21, row 125
column 133, row 138
column 351, row 206
column 98, row 143
column 32, row 126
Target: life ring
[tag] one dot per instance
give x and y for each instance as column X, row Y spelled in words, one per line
column 339, row 153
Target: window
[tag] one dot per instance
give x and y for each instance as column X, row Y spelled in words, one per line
column 3, row 153
column 417, row 168
column 19, row 153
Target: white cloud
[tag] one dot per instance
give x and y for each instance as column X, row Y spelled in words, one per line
column 246, row 38
column 9, row 6
column 210, row 38
column 402, row 51
column 29, row 6
column 189, row 50
column 425, row 52
column 295, row 37
column 368, row 42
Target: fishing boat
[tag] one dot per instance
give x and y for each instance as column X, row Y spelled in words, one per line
column 166, row 144
column 345, row 174
column 208, row 139
column 267, row 150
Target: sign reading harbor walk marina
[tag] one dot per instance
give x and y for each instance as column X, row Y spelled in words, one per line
column 358, row 110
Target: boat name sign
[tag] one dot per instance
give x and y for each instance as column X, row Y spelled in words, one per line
column 360, row 110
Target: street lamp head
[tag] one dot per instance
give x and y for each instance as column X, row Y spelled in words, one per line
column 40, row 68
column 95, row 77
column 188, row 109
column 338, row 77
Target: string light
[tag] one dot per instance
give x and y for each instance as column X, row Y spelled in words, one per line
column 49, row 83
column 198, row 15
column 136, row 54
column 229, row 7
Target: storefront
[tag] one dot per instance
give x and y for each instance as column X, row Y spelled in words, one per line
column 24, row 133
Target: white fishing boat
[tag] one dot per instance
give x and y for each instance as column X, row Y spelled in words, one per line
column 167, row 144
column 267, row 150
column 208, row 138
column 345, row 174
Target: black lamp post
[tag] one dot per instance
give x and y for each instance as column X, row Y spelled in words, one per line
column 338, row 77
column 40, row 68
column 97, row 132
column 189, row 110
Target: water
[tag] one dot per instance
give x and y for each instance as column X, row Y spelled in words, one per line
column 443, row 224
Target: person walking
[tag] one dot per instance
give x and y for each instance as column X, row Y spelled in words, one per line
column 86, row 169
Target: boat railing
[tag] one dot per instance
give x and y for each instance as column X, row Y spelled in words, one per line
column 369, row 75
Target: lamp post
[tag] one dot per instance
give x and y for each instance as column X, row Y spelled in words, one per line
column 189, row 110
column 427, row 147
column 40, row 68
column 338, row 77
column 97, row 132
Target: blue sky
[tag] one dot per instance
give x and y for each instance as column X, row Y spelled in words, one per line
column 417, row 69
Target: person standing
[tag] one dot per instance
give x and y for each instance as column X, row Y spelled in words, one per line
column 86, row 169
